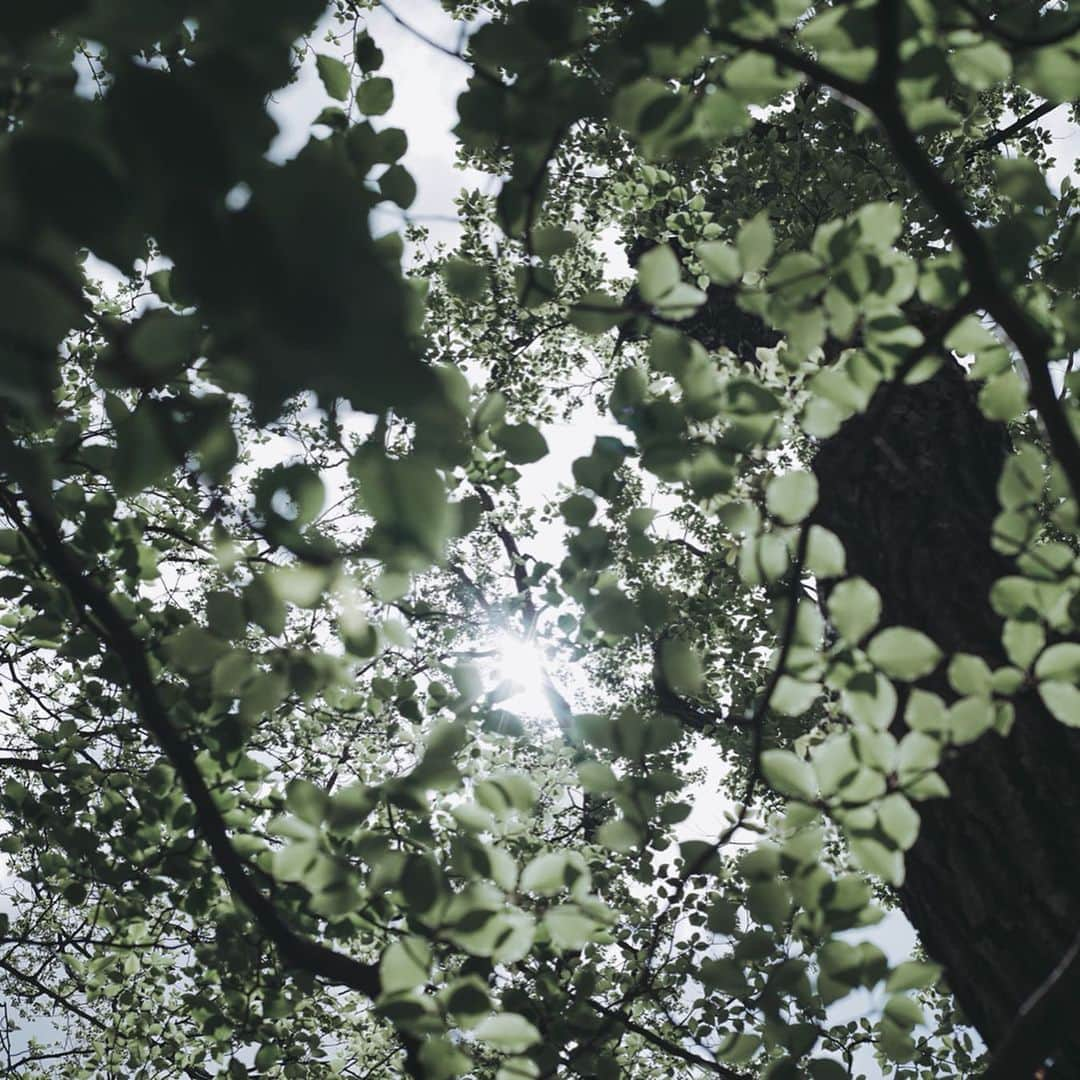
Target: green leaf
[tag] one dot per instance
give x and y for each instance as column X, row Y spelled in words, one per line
column 755, row 243
column 793, row 697
column 721, row 262
column 932, row 117
column 912, row 975
column 789, row 774
column 1063, row 701
column 375, row 96
column 680, row 302
column 902, row 653
column 681, row 667
column 1061, row 661
column 546, row 874
column 875, row 858
column 225, row 615
column 756, row 79
column 824, row 553
column 194, row 649
column 522, row 443
column 466, row 279
column 550, row 242
column 442, row 1060
column 791, row 497
column 404, row 965
column 596, row 777
column 1004, row 397
column 769, row 902
column 904, row 1011
column 519, row 1068
column 569, row 928
column 507, row 1032
column 981, row 66
column 1052, row 73
column 596, row 312
column 880, row 224
column 397, row 185
column 614, row 612
column 335, row 76
column 659, row 271
column 368, row 56
column 578, row 510
column 306, row 801
column 619, row 835
column 854, row 608
column 834, row 762
column 925, row 712
column 970, row 675
column 969, row 718
column 898, row 820
column 918, row 753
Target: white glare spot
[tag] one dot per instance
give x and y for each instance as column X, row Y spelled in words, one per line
column 238, row 197
column 521, row 663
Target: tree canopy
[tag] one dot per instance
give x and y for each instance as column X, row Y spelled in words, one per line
column 278, row 523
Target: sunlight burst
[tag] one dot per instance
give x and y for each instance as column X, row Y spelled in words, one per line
column 521, row 662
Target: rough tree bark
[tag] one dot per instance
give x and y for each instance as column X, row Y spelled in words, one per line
column 993, row 884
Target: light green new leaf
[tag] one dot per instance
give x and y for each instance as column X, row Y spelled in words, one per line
column 912, row 975
column 918, row 753
column 721, row 262
column 879, row 224
column 1059, row 662
column 903, row 653
column 789, row 774
column 546, row 874
column 619, row 835
column 970, row 674
column 1004, row 397
column 681, row 667
column 509, row 1032
column 875, row 858
column 596, row 777
column 790, row 497
column 570, row 930
column 659, row 272
column 755, row 243
column 793, row 697
column 981, row 65
column 1063, row 701
column 824, row 553
column 969, row 718
column 898, row 820
column 904, row 1011
column 404, row 965
column 854, row 609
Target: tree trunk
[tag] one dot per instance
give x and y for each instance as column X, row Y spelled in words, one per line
column 993, row 885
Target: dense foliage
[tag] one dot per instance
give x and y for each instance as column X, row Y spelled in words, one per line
column 271, row 806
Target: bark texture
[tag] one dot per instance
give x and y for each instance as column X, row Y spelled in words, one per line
column 993, row 884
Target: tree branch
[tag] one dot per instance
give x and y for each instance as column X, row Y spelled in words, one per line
column 1031, row 1036
column 1005, row 134
column 296, row 950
